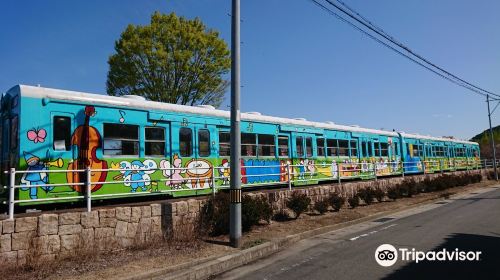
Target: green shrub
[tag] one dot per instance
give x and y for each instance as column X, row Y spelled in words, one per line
column 336, row 201
column 254, row 209
column 379, row 194
column 321, row 206
column 393, row 192
column 281, row 216
column 298, row 203
column 366, row 194
column 214, row 216
column 353, row 201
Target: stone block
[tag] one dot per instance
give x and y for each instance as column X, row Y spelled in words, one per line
column 145, row 211
column 155, row 210
column 132, row 229
column 69, row 218
column 70, row 242
column 5, row 243
column 107, row 222
column 145, row 224
column 125, row 242
column 87, row 238
column 121, row 229
column 26, row 224
column 47, row 224
column 182, row 207
column 69, row 229
column 102, row 233
column 47, row 244
column 135, row 214
column 22, row 257
column 123, row 213
column 193, row 206
column 21, row 240
column 156, row 225
column 90, row 219
column 8, row 258
column 107, row 213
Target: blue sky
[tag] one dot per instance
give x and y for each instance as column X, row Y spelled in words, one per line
column 297, row 60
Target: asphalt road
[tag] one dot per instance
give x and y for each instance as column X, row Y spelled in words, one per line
column 469, row 223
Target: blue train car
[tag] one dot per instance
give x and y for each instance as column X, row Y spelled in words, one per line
column 139, row 147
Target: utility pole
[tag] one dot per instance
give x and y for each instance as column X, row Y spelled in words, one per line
column 492, row 140
column 235, row 164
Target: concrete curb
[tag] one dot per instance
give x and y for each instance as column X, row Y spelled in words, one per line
column 204, row 268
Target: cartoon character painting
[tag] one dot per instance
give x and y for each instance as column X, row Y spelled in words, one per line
column 302, row 170
column 35, row 180
column 173, row 172
column 311, row 167
column 224, row 172
column 335, row 169
column 136, row 174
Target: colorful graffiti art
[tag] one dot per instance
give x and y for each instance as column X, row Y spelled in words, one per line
column 32, row 180
column 224, row 172
column 88, row 140
column 36, row 135
column 173, row 172
column 199, row 172
column 136, row 174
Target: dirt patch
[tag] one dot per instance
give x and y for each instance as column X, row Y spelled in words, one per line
column 124, row 263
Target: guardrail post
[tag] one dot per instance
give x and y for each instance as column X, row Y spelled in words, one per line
column 288, row 176
column 213, row 180
column 403, row 169
column 441, row 165
column 338, row 172
column 375, row 170
column 88, row 188
column 12, row 182
column 423, row 166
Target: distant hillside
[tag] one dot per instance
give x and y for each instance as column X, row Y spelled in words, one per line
column 483, row 139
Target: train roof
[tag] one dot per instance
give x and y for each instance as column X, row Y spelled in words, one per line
column 74, row 96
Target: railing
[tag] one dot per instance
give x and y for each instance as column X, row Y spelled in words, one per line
column 291, row 173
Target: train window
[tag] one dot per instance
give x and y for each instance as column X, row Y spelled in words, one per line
column 121, row 139
column 364, row 149
column 354, row 148
column 267, row 146
column 283, row 146
column 62, row 133
column 384, row 151
column 155, row 141
column 203, row 143
column 343, row 148
column 396, row 149
column 377, row 149
column 299, row 145
column 186, row 142
column 370, row 149
column 224, row 144
column 416, row 151
column 320, row 143
column 248, row 144
column 309, row 147
column 332, row 148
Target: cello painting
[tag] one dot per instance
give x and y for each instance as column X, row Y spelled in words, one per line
column 88, row 140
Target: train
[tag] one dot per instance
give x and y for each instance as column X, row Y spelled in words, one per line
column 134, row 146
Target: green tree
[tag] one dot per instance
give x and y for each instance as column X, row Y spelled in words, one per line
column 173, row 60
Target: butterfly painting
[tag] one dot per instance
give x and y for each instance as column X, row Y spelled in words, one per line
column 37, row 135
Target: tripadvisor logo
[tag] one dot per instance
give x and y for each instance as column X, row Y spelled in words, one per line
column 387, row 255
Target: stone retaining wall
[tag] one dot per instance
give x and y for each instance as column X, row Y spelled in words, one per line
column 52, row 236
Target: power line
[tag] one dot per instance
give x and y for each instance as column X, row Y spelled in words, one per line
column 382, row 33
column 459, row 83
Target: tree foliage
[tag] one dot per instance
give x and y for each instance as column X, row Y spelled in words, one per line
column 173, row 60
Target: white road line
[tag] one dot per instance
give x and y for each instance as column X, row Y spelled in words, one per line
column 370, row 233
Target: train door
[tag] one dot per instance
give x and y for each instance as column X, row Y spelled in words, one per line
column 62, row 125
column 303, row 154
column 199, row 167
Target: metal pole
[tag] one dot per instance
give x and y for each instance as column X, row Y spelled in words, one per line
column 12, row 182
column 338, row 172
column 492, row 140
column 289, row 177
column 235, row 165
column 88, row 184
